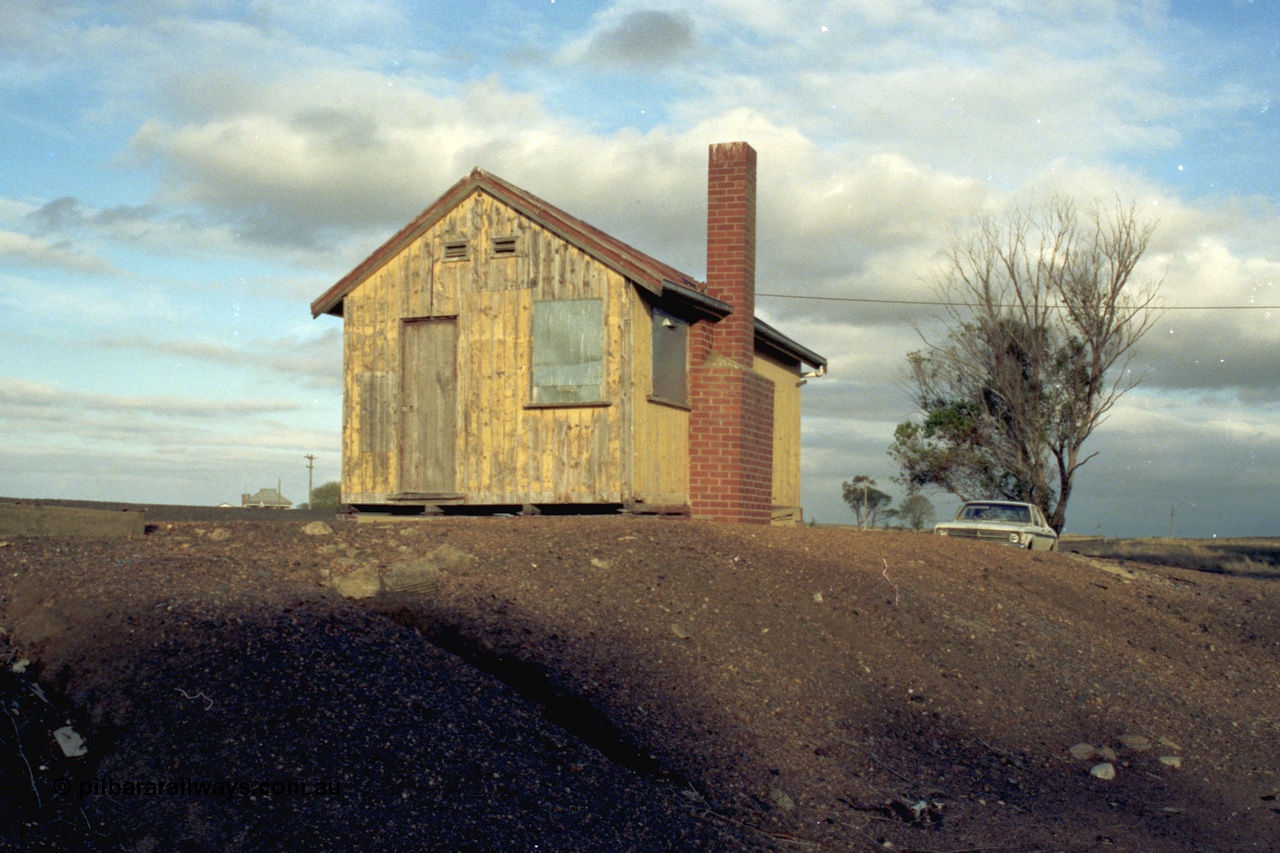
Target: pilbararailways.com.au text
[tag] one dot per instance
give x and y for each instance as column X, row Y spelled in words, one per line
column 188, row 787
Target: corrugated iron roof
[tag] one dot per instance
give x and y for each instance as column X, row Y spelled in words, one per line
column 645, row 270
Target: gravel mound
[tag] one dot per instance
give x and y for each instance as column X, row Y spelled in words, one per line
column 623, row 683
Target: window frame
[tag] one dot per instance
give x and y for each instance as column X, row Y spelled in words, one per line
column 586, row 355
column 663, row 359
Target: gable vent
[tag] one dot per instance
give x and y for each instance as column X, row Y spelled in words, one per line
column 455, row 250
column 504, row 246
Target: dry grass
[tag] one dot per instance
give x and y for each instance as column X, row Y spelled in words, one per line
column 1252, row 557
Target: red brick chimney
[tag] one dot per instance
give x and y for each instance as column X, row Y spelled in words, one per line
column 731, row 247
column 731, row 423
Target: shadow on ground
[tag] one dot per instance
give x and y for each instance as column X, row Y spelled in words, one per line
column 319, row 726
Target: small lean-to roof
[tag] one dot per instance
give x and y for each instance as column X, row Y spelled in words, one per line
column 644, row 270
column 771, row 337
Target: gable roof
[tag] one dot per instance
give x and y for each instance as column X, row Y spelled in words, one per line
column 644, row 270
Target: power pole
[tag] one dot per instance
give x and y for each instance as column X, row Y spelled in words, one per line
column 1171, row 510
column 311, row 465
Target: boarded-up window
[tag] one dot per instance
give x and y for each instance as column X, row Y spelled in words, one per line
column 377, row 428
column 568, row 351
column 670, row 358
column 455, row 250
column 504, row 247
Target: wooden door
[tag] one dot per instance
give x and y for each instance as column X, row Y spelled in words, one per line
column 429, row 407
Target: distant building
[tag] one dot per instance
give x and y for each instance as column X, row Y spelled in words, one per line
column 265, row 499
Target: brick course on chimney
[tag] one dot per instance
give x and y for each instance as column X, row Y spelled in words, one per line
column 731, row 423
column 731, row 247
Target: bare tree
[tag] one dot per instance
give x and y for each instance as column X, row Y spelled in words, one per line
column 1043, row 316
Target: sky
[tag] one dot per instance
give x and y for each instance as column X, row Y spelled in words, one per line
column 181, row 178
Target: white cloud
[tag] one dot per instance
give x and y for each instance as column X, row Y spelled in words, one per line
column 41, row 401
column 329, row 19
column 316, row 360
column 176, row 449
column 338, row 152
column 206, row 475
column 23, row 250
column 1158, row 450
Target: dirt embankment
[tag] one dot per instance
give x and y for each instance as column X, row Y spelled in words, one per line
column 622, row 683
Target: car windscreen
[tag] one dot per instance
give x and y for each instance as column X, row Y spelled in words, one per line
column 995, row 512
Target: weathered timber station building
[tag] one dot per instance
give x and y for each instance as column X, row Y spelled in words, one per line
column 499, row 352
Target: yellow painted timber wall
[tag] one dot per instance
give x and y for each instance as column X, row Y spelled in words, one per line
column 661, row 431
column 786, row 429
column 370, row 392
column 505, row 451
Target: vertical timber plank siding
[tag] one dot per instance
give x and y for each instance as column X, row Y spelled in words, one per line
column 502, row 441
column 608, row 427
column 625, row 407
column 451, row 277
column 509, row 453
column 418, row 280
column 531, row 448
column 495, row 401
column 661, row 453
column 475, row 320
column 442, row 278
column 405, row 287
column 786, row 429
column 352, row 480
column 371, row 345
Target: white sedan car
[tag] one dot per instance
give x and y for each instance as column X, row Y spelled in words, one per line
column 1004, row 522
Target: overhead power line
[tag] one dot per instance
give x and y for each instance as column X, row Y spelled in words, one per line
column 975, row 305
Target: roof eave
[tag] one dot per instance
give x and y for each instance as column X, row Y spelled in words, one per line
column 707, row 306
column 645, row 271
column 330, row 302
column 642, row 269
column 789, row 347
